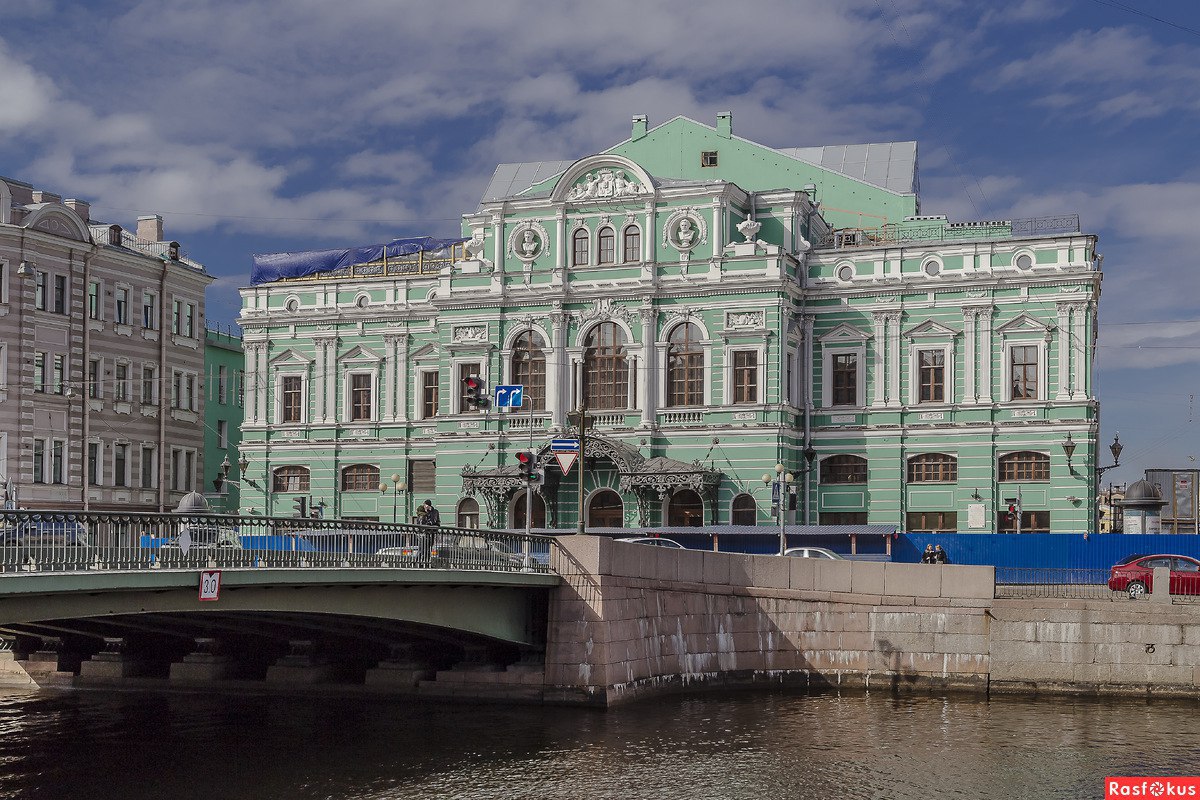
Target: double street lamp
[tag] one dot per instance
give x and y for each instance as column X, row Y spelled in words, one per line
column 399, row 486
column 783, row 491
column 1068, row 448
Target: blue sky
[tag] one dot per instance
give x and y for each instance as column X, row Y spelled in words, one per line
column 260, row 127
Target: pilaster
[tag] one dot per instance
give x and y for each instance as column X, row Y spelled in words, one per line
column 985, row 354
column 647, row 377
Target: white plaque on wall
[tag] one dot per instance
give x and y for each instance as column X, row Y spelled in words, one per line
column 932, row 416
column 841, row 418
column 1025, row 412
column 975, row 515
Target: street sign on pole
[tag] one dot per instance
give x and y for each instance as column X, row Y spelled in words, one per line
column 564, row 445
column 510, row 395
column 566, row 460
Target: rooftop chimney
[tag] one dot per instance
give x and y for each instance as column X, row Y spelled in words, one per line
column 150, row 228
column 725, row 124
column 640, row 123
column 46, row 197
column 82, row 208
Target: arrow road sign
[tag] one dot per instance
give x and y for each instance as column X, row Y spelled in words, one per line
column 510, row 396
column 566, row 460
column 564, row 446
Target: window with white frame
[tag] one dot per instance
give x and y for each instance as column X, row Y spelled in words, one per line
column 843, row 375
column 39, row 373
column 149, row 467
column 121, row 306
column 149, row 385
column 3, row 366
column 120, row 464
column 60, row 294
column 930, row 373
column 95, row 461
column 189, row 320
column 1024, row 369
column 3, row 281
column 58, row 375
column 121, row 383
column 94, row 378
column 223, row 433
column 289, row 399
column 39, row 460
column 632, row 244
column 182, row 465
column 149, row 310
column 430, row 380
column 744, row 377
column 40, row 289
column 58, row 461
column 606, row 248
column 94, row 300
column 361, row 400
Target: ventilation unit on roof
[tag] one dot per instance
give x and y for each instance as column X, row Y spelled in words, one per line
column 928, row 218
column 986, row 223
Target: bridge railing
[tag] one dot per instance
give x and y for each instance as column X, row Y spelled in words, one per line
column 53, row 541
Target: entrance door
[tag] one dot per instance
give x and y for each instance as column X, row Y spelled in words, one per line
column 605, row 510
column 685, row 510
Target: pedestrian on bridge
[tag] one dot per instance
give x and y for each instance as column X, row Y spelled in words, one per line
column 428, row 515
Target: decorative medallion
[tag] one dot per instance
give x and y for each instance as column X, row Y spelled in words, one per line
column 685, row 230
column 528, row 241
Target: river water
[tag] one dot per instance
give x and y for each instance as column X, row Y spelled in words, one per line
column 176, row 746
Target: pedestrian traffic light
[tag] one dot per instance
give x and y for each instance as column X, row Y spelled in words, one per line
column 472, row 390
column 1012, row 510
column 526, row 463
column 301, row 504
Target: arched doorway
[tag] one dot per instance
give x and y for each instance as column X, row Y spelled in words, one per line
column 744, row 510
column 468, row 513
column 685, row 509
column 518, row 511
column 605, row 510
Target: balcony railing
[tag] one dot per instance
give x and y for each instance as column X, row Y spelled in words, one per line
column 905, row 233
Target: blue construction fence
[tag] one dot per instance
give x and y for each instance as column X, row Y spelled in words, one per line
column 1044, row 550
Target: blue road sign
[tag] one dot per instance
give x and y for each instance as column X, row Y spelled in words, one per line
column 510, row 396
column 564, row 445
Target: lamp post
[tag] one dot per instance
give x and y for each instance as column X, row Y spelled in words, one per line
column 225, row 467
column 781, row 488
column 1115, row 448
column 399, row 486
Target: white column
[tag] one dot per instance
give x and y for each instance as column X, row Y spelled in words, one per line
column 1078, row 332
column 880, row 374
column 647, row 377
column 970, row 316
column 557, row 400
column 388, row 412
column 807, row 370
column 402, row 371
column 253, row 379
column 718, row 235
column 331, row 380
column 1063, row 376
column 263, row 379
column 985, row 355
column 893, row 326
column 560, row 230
column 316, row 391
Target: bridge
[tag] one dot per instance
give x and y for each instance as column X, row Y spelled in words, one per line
column 118, row 599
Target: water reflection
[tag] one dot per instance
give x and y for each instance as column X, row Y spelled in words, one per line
column 154, row 745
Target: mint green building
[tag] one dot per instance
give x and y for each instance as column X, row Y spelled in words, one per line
column 720, row 308
column 223, row 386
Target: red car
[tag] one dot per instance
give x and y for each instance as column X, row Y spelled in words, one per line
column 1135, row 574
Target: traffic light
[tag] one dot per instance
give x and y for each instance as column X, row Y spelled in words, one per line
column 526, row 463
column 1013, row 511
column 301, row 504
column 472, row 390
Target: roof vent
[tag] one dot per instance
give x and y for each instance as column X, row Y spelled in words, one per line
column 725, row 124
column 640, row 123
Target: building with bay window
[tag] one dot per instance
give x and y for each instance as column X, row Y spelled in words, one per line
column 719, row 307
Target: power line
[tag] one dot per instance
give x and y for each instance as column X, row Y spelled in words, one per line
column 1140, row 13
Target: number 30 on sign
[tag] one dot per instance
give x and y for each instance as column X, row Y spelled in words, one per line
column 210, row 584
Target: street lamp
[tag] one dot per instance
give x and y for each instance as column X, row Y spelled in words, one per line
column 781, row 489
column 1115, row 448
column 1068, row 447
column 399, row 486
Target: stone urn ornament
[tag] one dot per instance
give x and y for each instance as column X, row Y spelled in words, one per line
column 749, row 228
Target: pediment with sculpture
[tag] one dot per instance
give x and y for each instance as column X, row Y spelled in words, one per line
column 603, row 178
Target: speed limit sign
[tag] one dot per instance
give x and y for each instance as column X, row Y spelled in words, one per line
column 210, row 584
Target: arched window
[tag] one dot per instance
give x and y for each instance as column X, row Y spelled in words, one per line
column 1025, row 466
column 518, row 511
column 360, row 478
column 933, row 468
column 529, row 368
column 633, row 244
column 579, row 248
column 290, row 479
column 468, row 513
column 685, row 509
column 607, row 245
column 844, row 469
column 685, row 367
column 605, row 510
column 744, row 510
column 605, row 368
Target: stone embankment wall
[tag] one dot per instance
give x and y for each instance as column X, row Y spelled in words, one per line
column 632, row 620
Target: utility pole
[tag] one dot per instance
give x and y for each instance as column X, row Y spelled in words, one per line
column 582, row 422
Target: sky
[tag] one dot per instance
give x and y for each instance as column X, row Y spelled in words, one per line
column 258, row 127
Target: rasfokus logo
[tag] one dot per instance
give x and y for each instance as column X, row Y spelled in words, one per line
column 1152, row 787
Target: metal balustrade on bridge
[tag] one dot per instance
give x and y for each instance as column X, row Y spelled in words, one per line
column 48, row 541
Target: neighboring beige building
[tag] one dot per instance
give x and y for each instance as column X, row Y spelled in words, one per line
column 101, row 359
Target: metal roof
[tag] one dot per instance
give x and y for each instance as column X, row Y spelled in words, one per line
column 510, row 180
column 889, row 165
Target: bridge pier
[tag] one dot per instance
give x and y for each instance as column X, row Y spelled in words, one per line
column 11, row 673
column 302, row 665
column 114, row 662
column 44, row 664
column 403, row 668
column 204, row 664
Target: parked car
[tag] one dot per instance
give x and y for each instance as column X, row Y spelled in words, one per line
column 813, row 552
column 655, row 541
column 45, row 533
column 205, row 537
column 1135, row 574
column 472, row 551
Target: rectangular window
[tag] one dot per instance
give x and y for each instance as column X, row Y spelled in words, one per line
column 39, row 372
column 121, row 383
column 39, row 460
column 845, row 379
column 932, row 376
column 58, row 473
column 39, row 290
column 190, row 391
column 59, row 374
column 149, row 310
column 1031, row 522
column 94, row 300
column 120, row 465
column 633, row 245
column 149, row 385
column 745, row 376
column 708, row 158
column 360, row 397
column 291, row 406
column 429, row 394
column 189, row 477
column 60, row 294
column 149, row 469
column 1024, row 367
column 189, row 321
column 222, row 385
column 93, row 464
column 843, row 518
column 3, row 371
column 932, row 521
column 176, row 389
column 121, row 307
column 94, row 378
column 176, row 317
column 222, row 434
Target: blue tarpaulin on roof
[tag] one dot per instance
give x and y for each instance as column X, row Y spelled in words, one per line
column 270, row 267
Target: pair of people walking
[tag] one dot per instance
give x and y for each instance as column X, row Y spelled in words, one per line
column 934, row 554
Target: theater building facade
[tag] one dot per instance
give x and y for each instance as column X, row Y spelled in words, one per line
column 718, row 307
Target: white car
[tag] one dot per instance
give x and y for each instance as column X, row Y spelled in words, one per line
column 654, row 541
column 813, row 552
